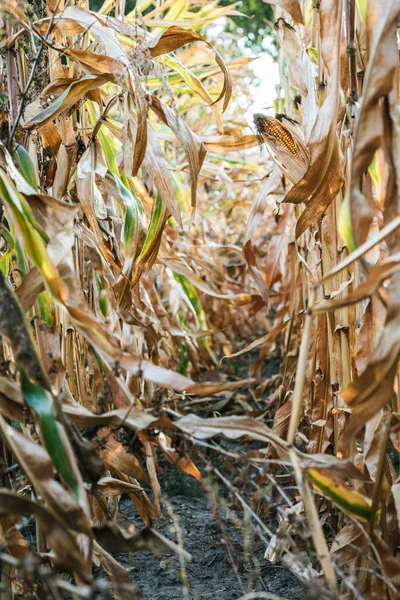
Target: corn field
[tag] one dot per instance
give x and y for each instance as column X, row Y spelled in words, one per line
column 156, row 251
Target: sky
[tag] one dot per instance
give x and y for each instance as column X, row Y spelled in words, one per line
column 267, row 71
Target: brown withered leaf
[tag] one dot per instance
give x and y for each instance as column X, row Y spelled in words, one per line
column 390, row 566
column 132, row 417
column 256, row 214
column 259, row 205
column 374, row 387
column 151, row 459
column 60, row 540
column 255, row 273
column 236, row 427
column 155, row 164
column 181, row 461
column 277, row 249
column 75, row 92
column 126, row 466
column 142, row 108
column 175, row 37
column 229, row 143
column 51, row 139
column 349, row 537
column 92, row 164
column 109, row 486
column 53, row 215
column 281, row 419
column 12, row 404
column 97, row 64
column 100, row 30
column 116, row 540
column 16, row 544
column 116, row 456
column 194, row 147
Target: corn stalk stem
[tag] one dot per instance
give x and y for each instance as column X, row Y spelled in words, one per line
column 363, row 249
column 351, row 47
column 32, row 75
column 12, row 83
column 317, row 534
column 380, row 472
column 297, row 398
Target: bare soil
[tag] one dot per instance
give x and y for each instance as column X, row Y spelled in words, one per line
column 220, row 567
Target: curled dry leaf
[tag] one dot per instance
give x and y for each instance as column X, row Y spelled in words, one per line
column 194, row 147
column 142, row 107
column 229, row 143
column 75, row 92
column 181, row 461
column 175, row 37
column 109, row 486
column 103, row 34
column 126, row 466
column 96, row 64
column 117, row 457
column 281, row 419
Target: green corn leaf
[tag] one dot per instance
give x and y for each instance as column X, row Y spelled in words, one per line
column 344, row 225
column 26, row 166
column 362, row 6
column 46, row 308
column 29, row 235
column 131, row 220
column 155, row 229
column 39, row 400
column 348, row 499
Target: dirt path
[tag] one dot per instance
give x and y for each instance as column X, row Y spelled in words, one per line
column 226, row 560
column 213, row 546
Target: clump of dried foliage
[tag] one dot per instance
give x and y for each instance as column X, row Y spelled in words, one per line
column 128, row 271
